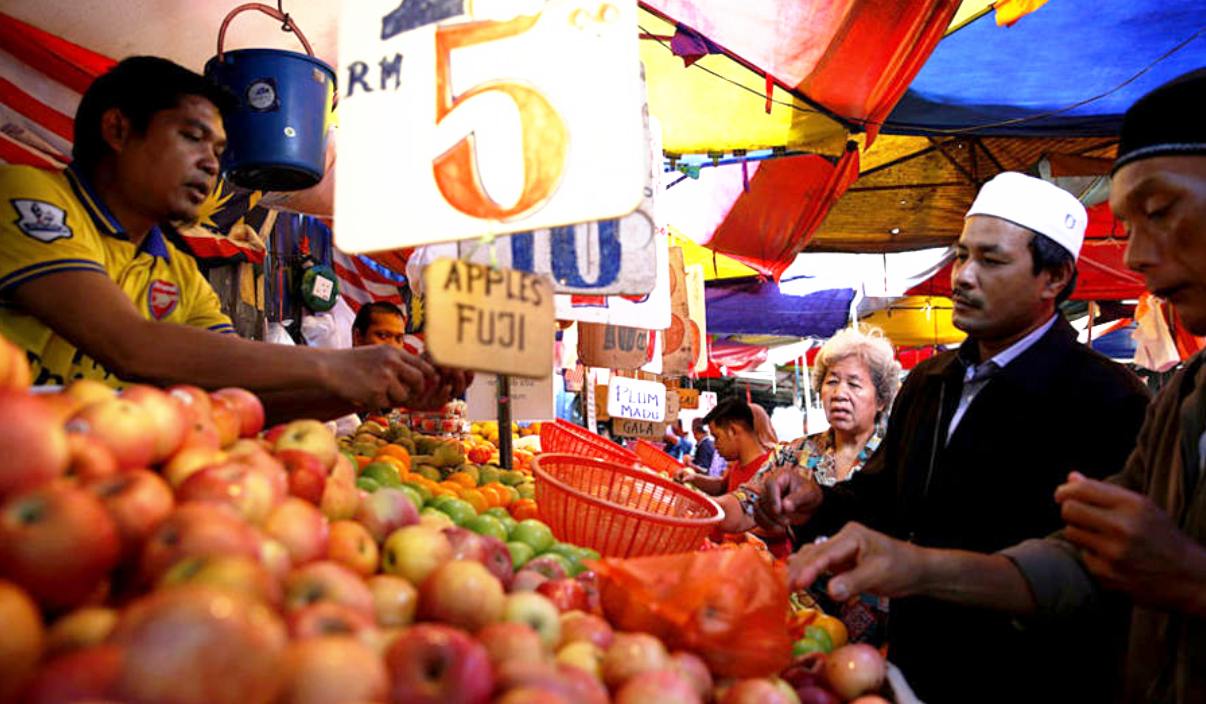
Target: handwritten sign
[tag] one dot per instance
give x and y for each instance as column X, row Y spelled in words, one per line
column 629, row 428
column 494, row 320
column 651, row 311
column 531, row 399
column 639, row 400
column 682, row 338
column 477, row 121
column 688, row 398
column 613, row 346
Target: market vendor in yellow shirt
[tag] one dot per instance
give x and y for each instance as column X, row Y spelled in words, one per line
column 90, row 288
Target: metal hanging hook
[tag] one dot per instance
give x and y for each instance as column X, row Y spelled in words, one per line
column 287, row 25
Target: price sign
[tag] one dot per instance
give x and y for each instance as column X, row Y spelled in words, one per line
column 531, row 399
column 688, row 398
column 629, row 428
column 485, row 117
column 493, row 320
column 639, row 400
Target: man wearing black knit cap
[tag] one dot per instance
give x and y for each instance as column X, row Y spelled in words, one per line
column 1142, row 532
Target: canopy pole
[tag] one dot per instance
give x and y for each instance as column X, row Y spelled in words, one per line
column 504, row 421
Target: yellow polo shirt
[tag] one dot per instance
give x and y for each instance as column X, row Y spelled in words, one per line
column 52, row 221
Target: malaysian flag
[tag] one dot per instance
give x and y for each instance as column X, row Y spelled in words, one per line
column 362, row 281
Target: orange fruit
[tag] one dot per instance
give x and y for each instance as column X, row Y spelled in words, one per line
column 393, row 450
column 834, row 627
column 492, row 496
column 452, row 486
column 476, row 499
column 524, row 509
column 362, row 461
column 443, row 491
column 464, row 479
column 504, row 495
column 399, row 464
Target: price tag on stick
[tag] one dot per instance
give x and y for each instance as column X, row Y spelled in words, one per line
column 490, row 320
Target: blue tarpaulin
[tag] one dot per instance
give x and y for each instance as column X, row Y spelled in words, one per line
column 753, row 307
column 1067, row 52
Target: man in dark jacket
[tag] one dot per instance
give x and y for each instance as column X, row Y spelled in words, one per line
column 1142, row 533
column 978, row 440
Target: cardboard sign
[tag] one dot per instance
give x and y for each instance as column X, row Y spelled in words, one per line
column 531, row 399
column 688, row 398
column 474, row 121
column 639, row 400
column 629, row 428
column 612, row 346
column 697, row 315
column 601, row 402
column 672, row 407
column 492, row 320
column 682, row 337
column 651, row 311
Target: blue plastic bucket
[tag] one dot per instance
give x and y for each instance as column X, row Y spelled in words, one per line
column 277, row 134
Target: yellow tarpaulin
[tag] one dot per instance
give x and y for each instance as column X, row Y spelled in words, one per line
column 918, row 321
column 715, row 266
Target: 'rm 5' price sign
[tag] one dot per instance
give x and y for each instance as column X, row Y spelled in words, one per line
column 466, row 118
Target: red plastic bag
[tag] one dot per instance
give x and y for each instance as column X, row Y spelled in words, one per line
column 728, row 606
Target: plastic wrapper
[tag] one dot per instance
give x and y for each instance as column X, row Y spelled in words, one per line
column 729, row 607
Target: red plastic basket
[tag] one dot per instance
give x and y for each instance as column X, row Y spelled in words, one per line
column 618, row 509
column 653, row 457
column 565, row 437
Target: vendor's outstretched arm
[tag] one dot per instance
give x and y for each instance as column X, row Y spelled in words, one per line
column 866, row 561
column 91, row 312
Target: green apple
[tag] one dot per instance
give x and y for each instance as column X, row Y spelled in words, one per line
column 497, row 511
column 423, row 492
column 383, row 473
column 415, row 497
column 572, row 554
column 566, row 564
column 534, row 533
column 487, row 525
column 487, row 475
column 520, row 554
column 367, row 484
column 511, row 477
column 508, row 524
column 461, row 512
column 820, row 635
column 527, row 491
column 429, row 472
column 434, row 517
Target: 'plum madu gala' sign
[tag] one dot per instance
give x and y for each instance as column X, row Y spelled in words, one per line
column 635, row 399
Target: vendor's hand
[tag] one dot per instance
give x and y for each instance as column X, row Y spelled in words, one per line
column 1131, row 545
column 379, row 376
column 788, row 497
column 449, row 384
column 863, row 560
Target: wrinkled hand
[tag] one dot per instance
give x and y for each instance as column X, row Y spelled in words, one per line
column 788, row 496
column 863, row 560
column 1131, row 545
column 380, row 377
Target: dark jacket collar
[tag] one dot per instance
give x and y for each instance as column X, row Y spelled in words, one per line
column 1056, row 340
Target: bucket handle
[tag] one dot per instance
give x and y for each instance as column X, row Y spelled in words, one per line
column 289, row 24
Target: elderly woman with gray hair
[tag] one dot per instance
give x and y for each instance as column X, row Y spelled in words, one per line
column 857, row 374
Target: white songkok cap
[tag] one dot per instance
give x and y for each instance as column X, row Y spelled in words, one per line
column 1034, row 204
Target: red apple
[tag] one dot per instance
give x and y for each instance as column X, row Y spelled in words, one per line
column 60, row 406
column 414, row 552
column 854, row 669
column 307, row 475
column 250, row 409
column 328, row 618
column 201, row 432
column 199, row 645
column 340, row 496
column 195, row 530
column 309, row 436
column 656, row 687
column 532, row 695
column 191, row 460
column 566, row 594
column 193, row 400
column 462, row 593
column 508, row 641
column 252, row 492
column 121, row 425
column 301, row 528
column 497, row 558
column 630, row 655
column 22, row 640
column 527, row 581
column 584, row 656
column 870, row 699
column 583, row 686
column 395, row 600
column 385, row 511
column 89, row 391
column 549, row 566
column 755, row 691
column 816, row 694
column 571, row 683
column 536, row 612
column 58, row 543
column 235, row 573
column 332, row 669
column 85, row 675
column 89, row 459
column 274, row 433
column 226, row 419
column 695, row 670
column 328, row 581
column 352, row 546
column 581, row 626
column 168, row 419
column 138, row 501
column 35, row 445
column 435, row 664
column 83, row 628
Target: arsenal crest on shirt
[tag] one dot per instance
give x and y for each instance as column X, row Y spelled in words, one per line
column 162, row 298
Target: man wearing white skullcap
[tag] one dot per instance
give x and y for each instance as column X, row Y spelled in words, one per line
column 977, row 442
